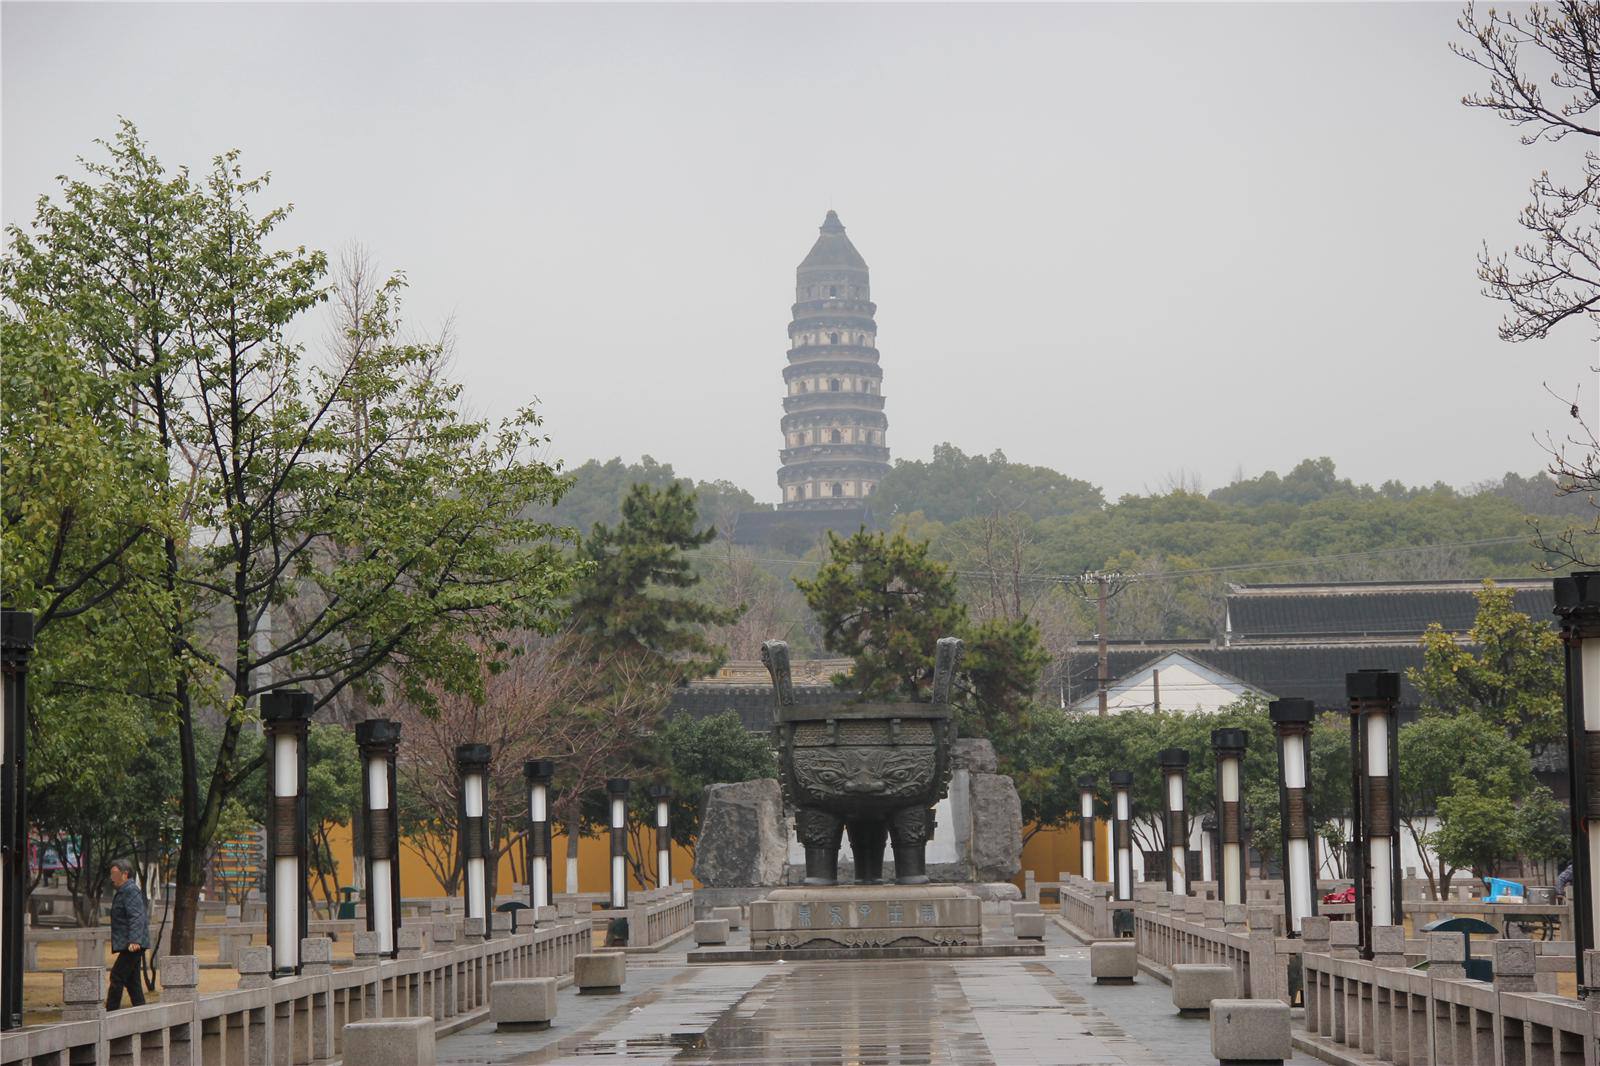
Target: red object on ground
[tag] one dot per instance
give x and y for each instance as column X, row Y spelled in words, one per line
column 1344, row 895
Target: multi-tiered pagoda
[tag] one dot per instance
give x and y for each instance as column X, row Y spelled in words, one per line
column 835, row 449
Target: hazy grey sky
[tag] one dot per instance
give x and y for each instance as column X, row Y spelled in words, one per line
column 1115, row 240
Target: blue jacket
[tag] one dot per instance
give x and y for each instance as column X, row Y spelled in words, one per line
column 130, row 923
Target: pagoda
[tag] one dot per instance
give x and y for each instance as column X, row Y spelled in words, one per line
column 835, row 447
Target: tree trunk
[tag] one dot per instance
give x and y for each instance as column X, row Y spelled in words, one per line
column 186, row 899
column 574, row 822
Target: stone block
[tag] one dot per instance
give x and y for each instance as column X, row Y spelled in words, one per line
column 1028, row 925
column 1515, row 963
column 1447, row 956
column 390, row 1042
column 255, row 967
column 472, row 929
column 524, row 1003
column 601, row 973
column 1195, row 985
column 444, row 933
column 711, row 931
column 866, row 916
column 500, row 924
column 316, row 955
column 1389, row 946
column 180, row 977
column 1250, row 1031
column 83, row 993
column 545, row 915
column 743, row 838
column 1113, row 961
column 734, row 916
column 408, row 942
column 1344, row 940
column 366, row 946
column 1025, row 906
column 1233, row 917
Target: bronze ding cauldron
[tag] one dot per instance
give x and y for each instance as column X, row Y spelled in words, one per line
column 872, row 769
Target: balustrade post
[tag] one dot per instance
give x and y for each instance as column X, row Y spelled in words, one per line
column 1375, row 768
column 16, row 649
column 378, row 740
column 472, row 766
column 1577, row 599
column 1087, row 784
column 1122, row 834
column 662, row 795
column 286, row 719
column 541, row 889
column 1291, row 720
column 617, row 790
column 1174, row 764
column 1232, row 850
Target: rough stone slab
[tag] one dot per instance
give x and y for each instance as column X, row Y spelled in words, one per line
column 601, row 973
column 1113, row 961
column 743, row 837
column 711, row 931
column 1195, row 985
column 975, row 755
column 523, row 1003
column 996, row 827
column 734, row 916
column 390, row 1042
column 1028, row 926
column 1250, row 1031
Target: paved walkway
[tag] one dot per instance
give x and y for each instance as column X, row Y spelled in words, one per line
column 981, row 1012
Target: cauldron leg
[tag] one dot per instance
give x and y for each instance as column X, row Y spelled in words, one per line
column 910, row 830
column 820, row 832
column 866, row 841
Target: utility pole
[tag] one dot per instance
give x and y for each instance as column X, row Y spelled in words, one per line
column 1107, row 584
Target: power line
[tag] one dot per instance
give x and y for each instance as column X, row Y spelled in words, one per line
column 1168, row 575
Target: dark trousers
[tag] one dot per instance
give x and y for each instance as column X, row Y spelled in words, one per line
column 125, row 974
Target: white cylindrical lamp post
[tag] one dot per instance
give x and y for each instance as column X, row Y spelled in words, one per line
column 378, row 741
column 286, row 718
column 617, row 792
column 662, row 795
column 16, row 648
column 1374, row 757
column 1291, row 721
column 1122, row 834
column 539, row 773
column 1231, row 849
column 472, row 767
column 1087, row 785
column 1174, row 763
column 1578, row 606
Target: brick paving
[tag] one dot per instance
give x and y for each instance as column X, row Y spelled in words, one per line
column 979, row 1012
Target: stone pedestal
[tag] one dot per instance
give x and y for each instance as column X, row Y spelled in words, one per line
column 866, row 916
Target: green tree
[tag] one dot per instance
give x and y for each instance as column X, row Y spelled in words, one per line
column 1438, row 753
column 883, row 602
column 340, row 519
column 1514, row 680
column 634, row 596
column 1544, row 832
column 954, row 485
column 1002, row 664
column 1477, row 823
column 698, row 752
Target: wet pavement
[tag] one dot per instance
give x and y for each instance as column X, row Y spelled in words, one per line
column 977, row 1012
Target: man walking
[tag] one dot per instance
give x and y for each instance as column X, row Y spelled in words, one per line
column 130, row 932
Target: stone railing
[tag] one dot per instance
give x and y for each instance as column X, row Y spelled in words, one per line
column 655, row 916
column 444, row 971
column 1414, row 1017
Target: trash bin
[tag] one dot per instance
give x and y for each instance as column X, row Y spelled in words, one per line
column 347, row 906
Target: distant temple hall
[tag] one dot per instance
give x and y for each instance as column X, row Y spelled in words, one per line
column 835, row 446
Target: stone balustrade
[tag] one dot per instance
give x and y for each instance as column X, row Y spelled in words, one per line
column 292, row 1019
